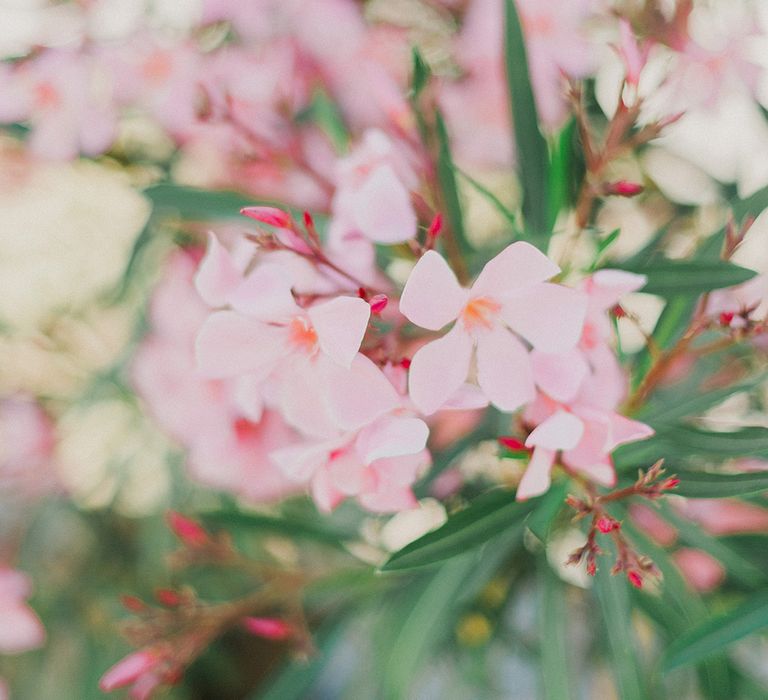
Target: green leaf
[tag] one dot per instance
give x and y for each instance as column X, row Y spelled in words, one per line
column 751, row 206
column 532, row 154
column 553, row 643
column 324, row 112
column 720, row 485
column 493, row 199
column 670, row 278
column 447, row 178
column 718, row 633
column 196, row 204
column 540, row 520
column 685, row 441
column 420, row 73
column 613, row 594
column 485, row 517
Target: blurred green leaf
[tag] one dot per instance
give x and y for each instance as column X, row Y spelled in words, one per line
column 562, row 181
column 197, row 204
column 751, row 206
column 695, row 484
column 613, row 594
column 420, row 73
column 686, row 441
column 485, row 517
column 447, row 178
column 493, row 199
column 717, row 633
column 532, row 154
column 553, row 643
column 324, row 112
column 670, row 278
column 540, row 520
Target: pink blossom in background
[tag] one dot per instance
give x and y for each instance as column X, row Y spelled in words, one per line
column 67, row 98
column 226, row 435
column 510, row 296
column 20, row 628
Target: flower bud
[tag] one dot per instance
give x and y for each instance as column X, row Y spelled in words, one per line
column 378, row 303
column 268, row 627
column 268, row 215
column 186, row 529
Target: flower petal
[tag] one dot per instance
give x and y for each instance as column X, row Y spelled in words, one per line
column 549, row 316
column 392, row 436
column 359, row 395
column 559, row 376
column 438, row 369
column 340, row 325
column 229, row 344
column 624, row 429
column 218, row 276
column 504, row 370
column 300, row 462
column 382, row 208
column 537, row 477
column 432, row 296
column 561, row 431
column 265, row 294
column 518, row 265
column 606, row 287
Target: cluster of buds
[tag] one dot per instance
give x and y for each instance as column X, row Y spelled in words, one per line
column 172, row 633
column 635, row 566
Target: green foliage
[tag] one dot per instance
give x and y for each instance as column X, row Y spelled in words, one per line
column 672, row 278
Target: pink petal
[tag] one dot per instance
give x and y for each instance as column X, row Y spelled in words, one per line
column 561, row 431
column 537, row 477
column 701, row 570
column 388, row 498
column 300, row 462
column 359, row 395
column 21, row 630
column 559, row 376
column 432, row 296
column 230, row 344
column 265, row 294
column 438, row 369
column 382, row 208
column 627, row 430
column 466, row 397
column 340, row 325
column 247, row 396
column 606, row 287
column 549, row 316
column 218, row 275
column 127, row 670
column 325, row 495
column 518, row 265
column 504, row 370
column 303, row 398
column 347, row 473
column 392, row 436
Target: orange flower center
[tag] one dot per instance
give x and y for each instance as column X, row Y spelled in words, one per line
column 479, row 313
column 302, row 335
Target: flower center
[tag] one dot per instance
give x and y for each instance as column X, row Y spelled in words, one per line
column 480, row 313
column 46, row 95
column 302, row 335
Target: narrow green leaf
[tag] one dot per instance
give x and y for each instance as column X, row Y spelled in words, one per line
column 532, row 154
column 196, row 204
column 675, row 277
column 737, row 567
column 324, row 112
column 613, row 594
column 493, row 199
column 718, row 633
column 540, row 520
column 485, row 517
column 420, row 73
column 447, row 178
column 753, row 205
column 553, row 644
column 685, row 441
column 561, row 178
column 720, row 485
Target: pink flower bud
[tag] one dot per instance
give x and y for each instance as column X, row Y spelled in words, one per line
column 378, row 303
column 726, row 317
column 623, row 188
column 512, row 444
column 127, row 670
column 435, row 227
column 132, row 603
column 606, row 525
column 635, row 578
column 167, row 597
column 187, row 530
column 268, row 215
column 268, row 627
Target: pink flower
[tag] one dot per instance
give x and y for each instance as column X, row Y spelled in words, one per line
column 376, row 464
column 509, row 297
column 66, row 98
column 372, row 196
column 139, row 670
column 702, row 571
column 20, row 628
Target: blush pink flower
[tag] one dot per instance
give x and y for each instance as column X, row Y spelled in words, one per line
column 509, row 298
column 140, row 670
column 20, row 628
column 376, row 465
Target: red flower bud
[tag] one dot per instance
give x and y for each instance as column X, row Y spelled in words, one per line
column 512, row 443
column 670, row 483
column 167, row 597
column 378, row 303
column 622, row 188
column 268, row 627
column 405, row 363
column 435, row 227
column 618, row 311
column 606, row 525
column 591, row 567
column 186, row 529
column 132, row 603
column 268, row 215
column 635, row 578
column 726, row 317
